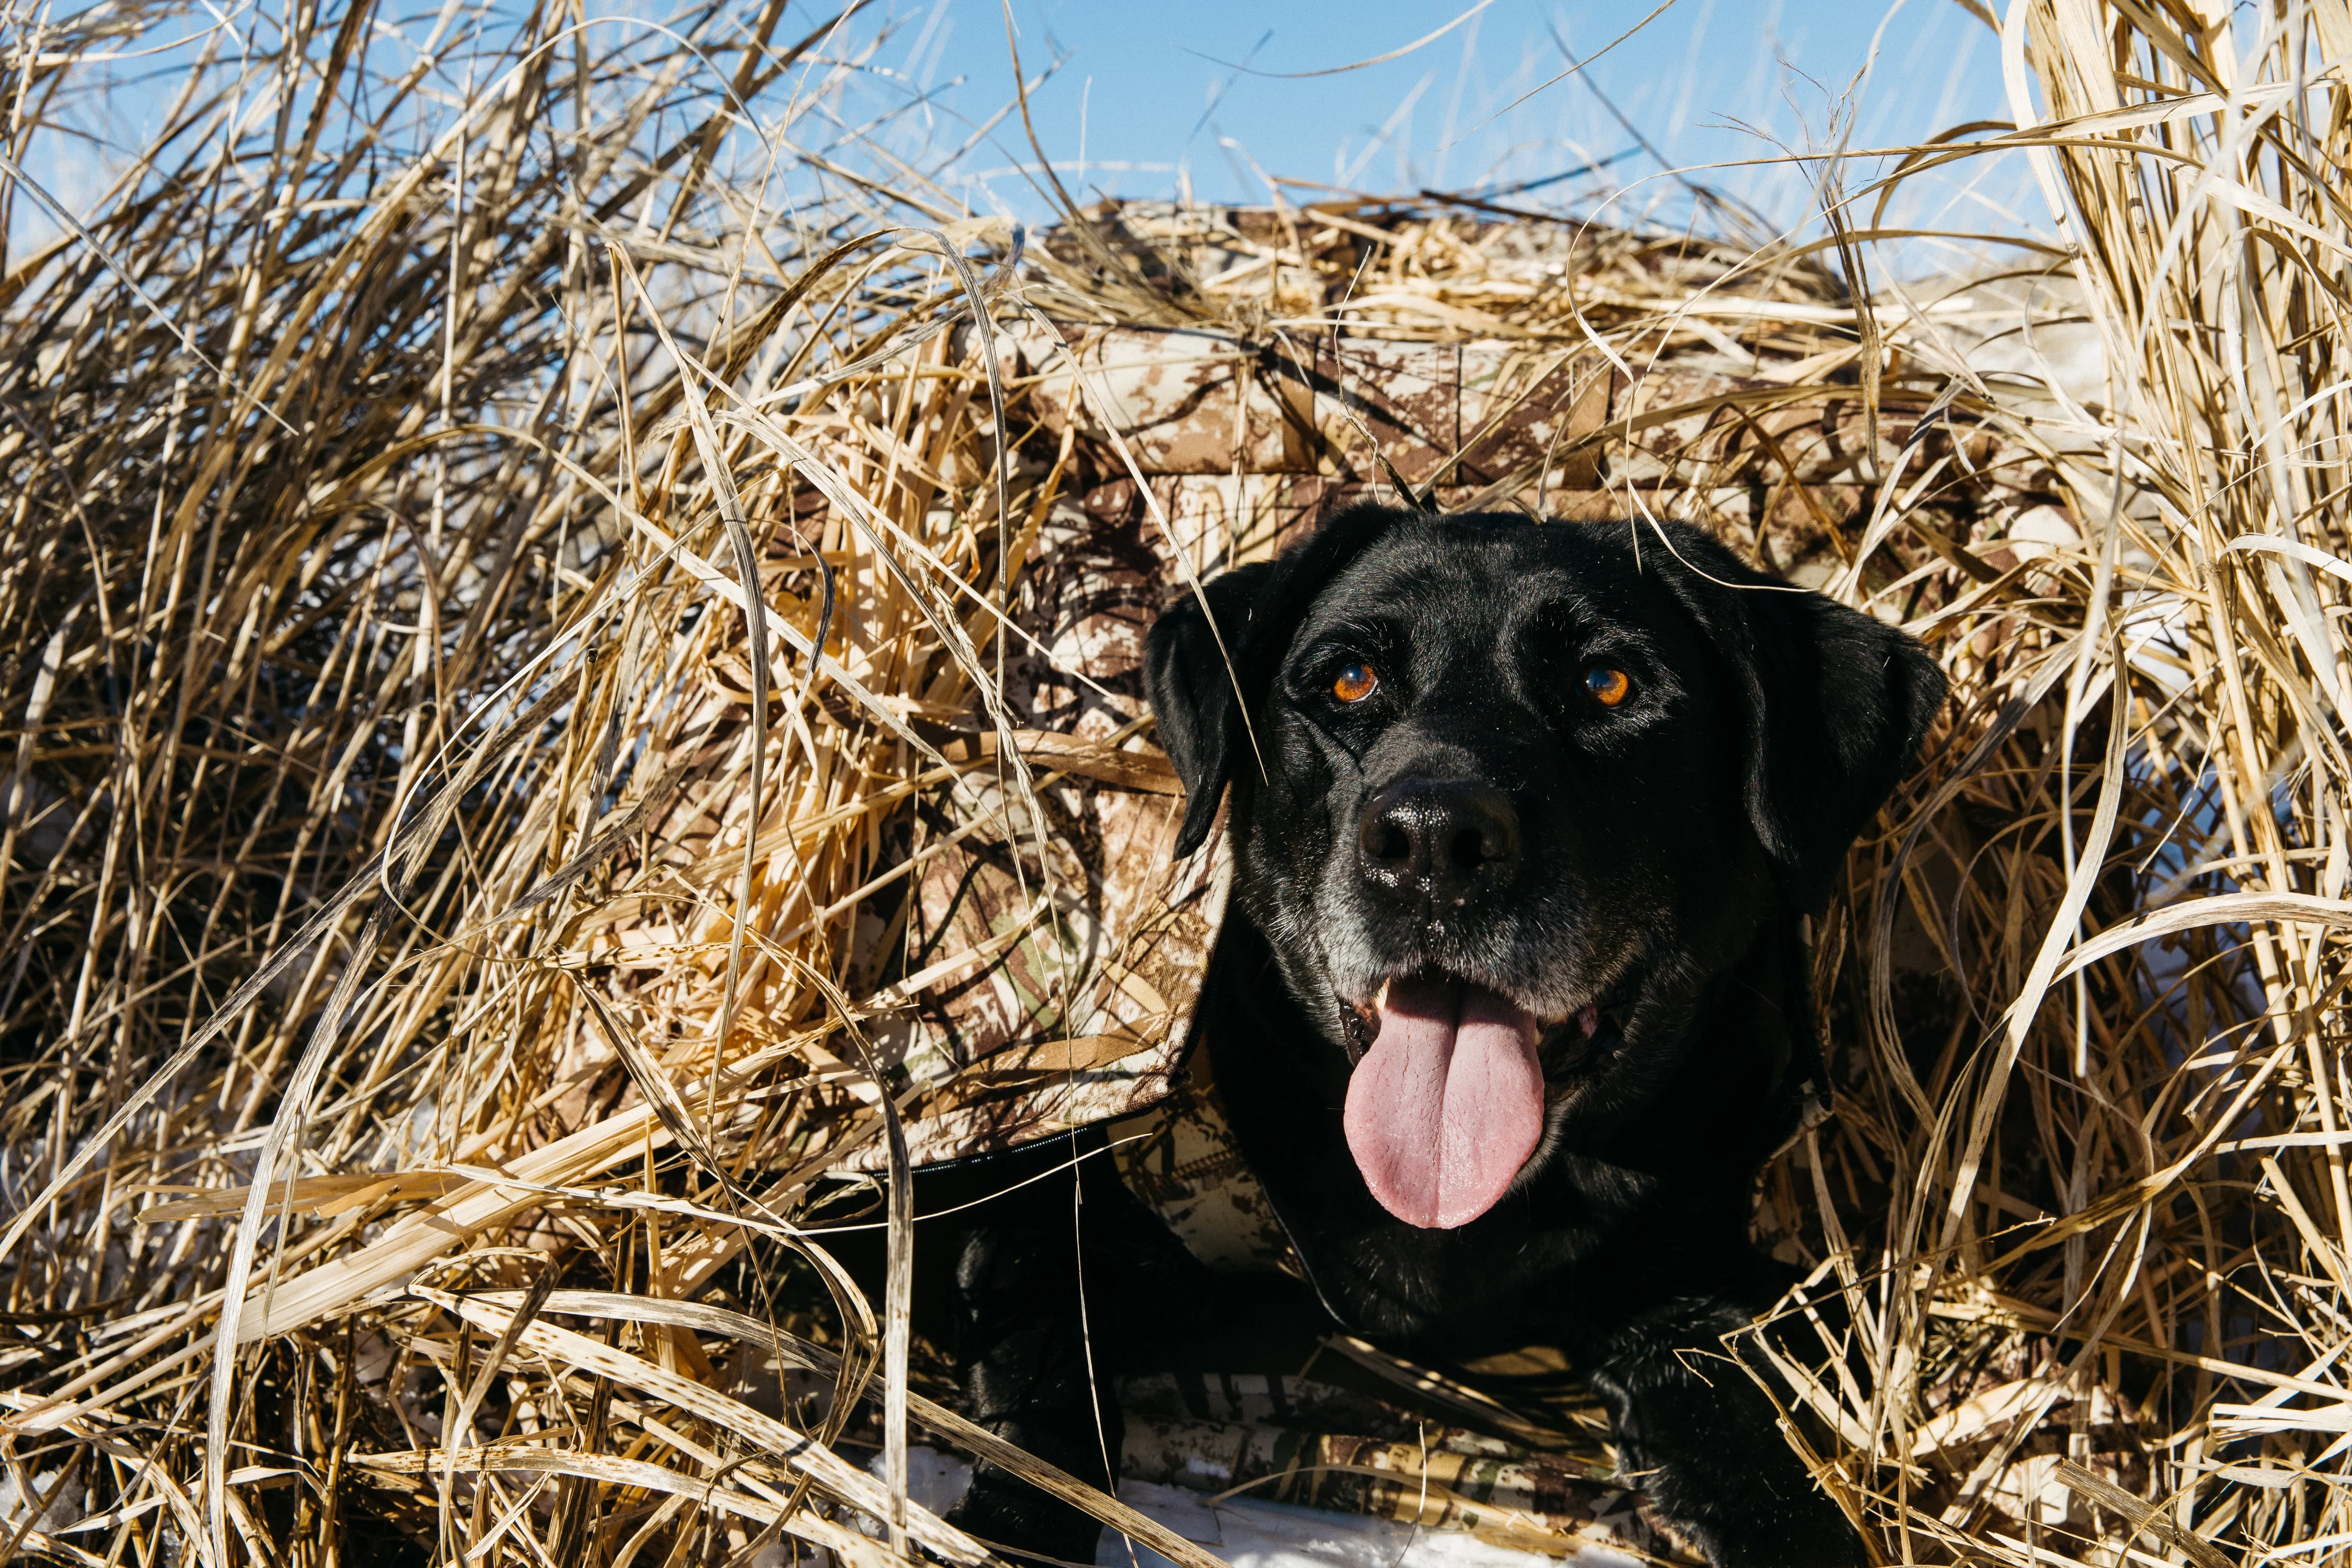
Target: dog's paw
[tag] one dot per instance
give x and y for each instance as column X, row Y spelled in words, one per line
column 1739, row 1523
column 1004, row 1511
column 1802, row 1533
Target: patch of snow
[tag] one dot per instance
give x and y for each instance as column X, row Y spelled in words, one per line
column 935, row 1481
column 1251, row 1534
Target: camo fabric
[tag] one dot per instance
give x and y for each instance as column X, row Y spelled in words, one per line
column 1054, row 953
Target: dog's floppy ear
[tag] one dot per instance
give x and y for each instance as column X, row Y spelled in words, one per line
column 1189, row 671
column 1844, row 701
column 1191, row 674
column 1832, row 706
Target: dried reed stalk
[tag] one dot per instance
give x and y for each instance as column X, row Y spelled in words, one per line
column 2107, row 1298
column 450, row 910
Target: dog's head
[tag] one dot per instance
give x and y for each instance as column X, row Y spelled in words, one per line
column 1506, row 796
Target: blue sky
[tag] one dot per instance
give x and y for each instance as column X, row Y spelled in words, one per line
column 1146, row 99
column 1148, row 95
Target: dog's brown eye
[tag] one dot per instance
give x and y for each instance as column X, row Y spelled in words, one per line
column 1608, row 687
column 1355, row 682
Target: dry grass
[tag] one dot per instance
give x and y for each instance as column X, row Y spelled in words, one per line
column 421, row 512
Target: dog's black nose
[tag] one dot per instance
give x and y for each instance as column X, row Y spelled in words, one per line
column 1444, row 841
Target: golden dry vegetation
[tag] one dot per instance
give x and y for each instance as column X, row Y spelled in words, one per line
column 505, row 602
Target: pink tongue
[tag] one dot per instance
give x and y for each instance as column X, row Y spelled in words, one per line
column 1448, row 1104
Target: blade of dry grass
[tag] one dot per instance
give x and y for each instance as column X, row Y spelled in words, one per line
column 409, row 800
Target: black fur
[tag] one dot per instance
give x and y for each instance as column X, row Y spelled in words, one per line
column 1657, row 858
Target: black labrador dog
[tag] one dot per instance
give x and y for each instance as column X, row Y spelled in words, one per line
column 1510, row 1005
